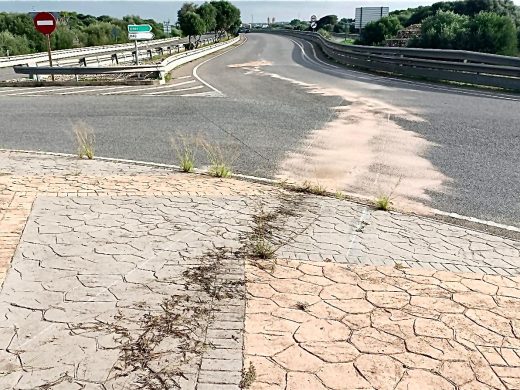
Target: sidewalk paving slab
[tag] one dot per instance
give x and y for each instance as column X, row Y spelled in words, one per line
column 120, row 275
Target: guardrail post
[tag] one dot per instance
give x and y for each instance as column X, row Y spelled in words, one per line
column 115, row 59
column 162, row 77
column 149, row 53
column 169, row 48
column 83, row 61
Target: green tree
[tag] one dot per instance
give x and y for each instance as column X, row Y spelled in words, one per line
column 14, row 44
column 192, row 25
column 331, row 20
column 63, row 38
column 208, row 13
column 227, row 18
column 492, row 33
column 374, row 33
column 444, row 30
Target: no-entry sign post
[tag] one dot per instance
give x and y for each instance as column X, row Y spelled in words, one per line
column 45, row 23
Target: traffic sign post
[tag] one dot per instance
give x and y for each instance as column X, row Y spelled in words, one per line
column 45, row 23
column 137, row 32
column 139, row 28
column 314, row 18
column 143, row 36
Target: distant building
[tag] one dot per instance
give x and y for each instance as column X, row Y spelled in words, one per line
column 365, row 15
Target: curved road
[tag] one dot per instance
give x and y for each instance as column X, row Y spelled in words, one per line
column 283, row 107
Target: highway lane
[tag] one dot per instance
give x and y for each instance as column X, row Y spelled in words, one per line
column 473, row 136
column 268, row 112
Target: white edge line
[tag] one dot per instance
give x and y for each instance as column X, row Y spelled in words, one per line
column 262, row 180
column 210, row 59
column 150, row 87
column 173, row 90
column 347, row 71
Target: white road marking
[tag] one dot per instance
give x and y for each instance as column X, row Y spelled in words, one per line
column 364, row 76
column 173, row 90
column 336, row 70
column 149, row 88
column 320, row 61
column 201, row 94
column 211, row 59
column 43, row 90
column 2, row 90
column 94, row 90
column 184, row 77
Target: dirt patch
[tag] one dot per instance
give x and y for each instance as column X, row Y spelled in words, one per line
column 363, row 150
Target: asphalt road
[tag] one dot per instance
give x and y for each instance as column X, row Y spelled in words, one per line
column 475, row 134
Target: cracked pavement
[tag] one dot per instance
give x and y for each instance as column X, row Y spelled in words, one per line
column 123, row 276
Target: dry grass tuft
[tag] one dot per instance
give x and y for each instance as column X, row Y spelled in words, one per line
column 85, row 140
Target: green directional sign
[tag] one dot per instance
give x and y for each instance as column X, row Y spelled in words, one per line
column 139, row 28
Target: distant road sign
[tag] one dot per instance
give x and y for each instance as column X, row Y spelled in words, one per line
column 139, row 28
column 45, row 22
column 313, row 25
column 314, row 18
column 140, row 36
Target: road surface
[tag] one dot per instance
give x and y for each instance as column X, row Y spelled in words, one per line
column 288, row 112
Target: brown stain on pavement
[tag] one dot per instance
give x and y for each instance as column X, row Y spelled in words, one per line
column 362, row 150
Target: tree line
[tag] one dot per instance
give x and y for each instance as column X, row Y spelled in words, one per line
column 490, row 26
column 18, row 35
column 219, row 17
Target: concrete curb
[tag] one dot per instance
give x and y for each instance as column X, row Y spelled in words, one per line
column 352, row 197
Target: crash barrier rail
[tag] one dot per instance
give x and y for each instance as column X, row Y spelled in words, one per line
column 79, row 52
column 442, row 65
column 160, row 70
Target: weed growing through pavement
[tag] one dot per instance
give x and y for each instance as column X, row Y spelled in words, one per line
column 85, row 140
column 340, row 195
column 248, row 377
column 384, row 202
column 154, row 349
column 261, row 247
column 185, row 151
column 310, row 188
column 301, row 306
column 221, row 161
column 399, row 266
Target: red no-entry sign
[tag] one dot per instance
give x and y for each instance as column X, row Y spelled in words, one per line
column 45, row 22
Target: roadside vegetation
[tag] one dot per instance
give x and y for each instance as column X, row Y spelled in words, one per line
column 477, row 25
column 220, row 17
column 489, row 26
column 18, row 35
column 186, row 151
column 85, row 140
column 192, row 149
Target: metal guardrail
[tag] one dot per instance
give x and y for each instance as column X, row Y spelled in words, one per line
column 447, row 65
column 160, row 69
column 83, row 51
